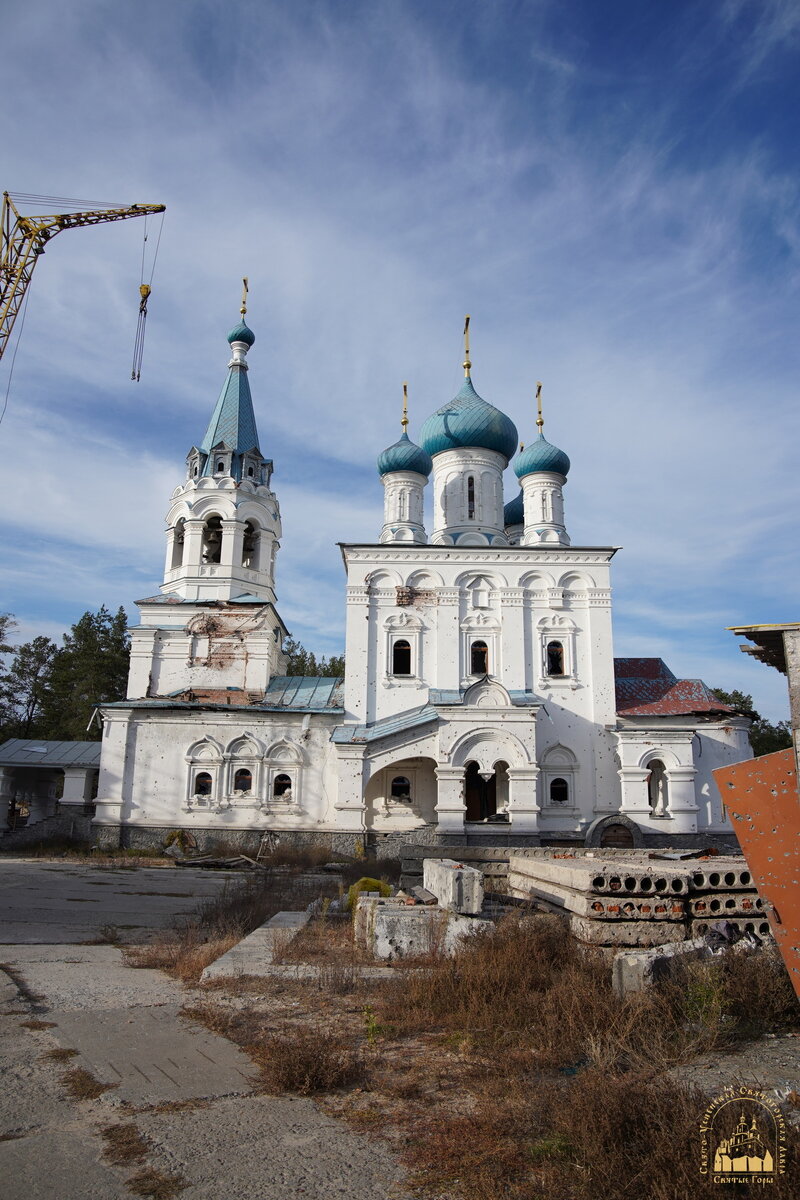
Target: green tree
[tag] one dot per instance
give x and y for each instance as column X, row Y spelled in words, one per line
column 90, row 667
column 7, row 626
column 304, row 662
column 29, row 679
column 765, row 737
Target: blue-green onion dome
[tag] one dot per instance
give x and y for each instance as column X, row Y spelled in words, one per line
column 404, row 456
column 468, row 421
column 514, row 511
column 540, row 456
column 241, row 333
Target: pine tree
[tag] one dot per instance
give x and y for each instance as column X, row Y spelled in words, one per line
column 91, row 667
column 304, row 662
column 29, row 680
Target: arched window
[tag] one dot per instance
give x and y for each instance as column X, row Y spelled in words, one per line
column 212, row 540
column 220, row 468
column 194, row 472
column 559, row 791
column 202, row 784
column 243, row 780
column 479, row 658
column 657, row 788
column 401, row 788
column 250, row 472
column 250, row 547
column 471, row 497
column 177, row 543
column 401, row 657
column 555, row 658
column 282, row 786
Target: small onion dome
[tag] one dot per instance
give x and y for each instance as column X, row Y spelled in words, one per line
column 468, row 421
column 514, row 511
column 404, row 456
column 241, row 334
column 540, row 456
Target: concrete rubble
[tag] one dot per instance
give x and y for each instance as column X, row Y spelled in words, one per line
column 432, row 918
column 639, row 898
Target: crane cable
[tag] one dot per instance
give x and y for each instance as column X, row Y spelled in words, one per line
column 14, row 355
column 144, row 295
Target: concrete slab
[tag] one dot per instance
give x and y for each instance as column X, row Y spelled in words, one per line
column 390, row 929
column 600, row 907
column 633, row 970
column 88, row 977
column 151, row 1056
column 271, row 1148
column 57, row 1162
column 457, row 887
column 258, row 949
column 626, row 933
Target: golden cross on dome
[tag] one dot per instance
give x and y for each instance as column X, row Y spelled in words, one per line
column 540, row 418
column 245, row 290
column 404, row 421
column 467, row 363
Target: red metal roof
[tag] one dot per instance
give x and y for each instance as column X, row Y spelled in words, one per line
column 646, row 687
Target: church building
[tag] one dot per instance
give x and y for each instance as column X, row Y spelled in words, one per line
column 481, row 698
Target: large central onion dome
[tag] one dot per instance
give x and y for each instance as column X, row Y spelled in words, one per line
column 468, row 421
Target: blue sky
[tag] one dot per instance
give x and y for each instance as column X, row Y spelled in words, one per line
column 611, row 190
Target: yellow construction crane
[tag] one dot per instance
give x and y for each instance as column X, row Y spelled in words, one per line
column 24, row 240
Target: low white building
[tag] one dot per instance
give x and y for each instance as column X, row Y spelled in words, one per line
column 480, row 695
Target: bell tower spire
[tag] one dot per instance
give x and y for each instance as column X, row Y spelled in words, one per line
column 224, row 520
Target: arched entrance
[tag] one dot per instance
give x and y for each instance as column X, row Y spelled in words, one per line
column 480, row 795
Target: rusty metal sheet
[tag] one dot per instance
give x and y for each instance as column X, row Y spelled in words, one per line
column 762, row 801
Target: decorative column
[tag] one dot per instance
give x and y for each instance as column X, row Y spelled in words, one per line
column 523, row 806
column 6, row 794
column 350, row 808
column 78, row 783
column 230, row 559
column 681, row 802
column 450, row 806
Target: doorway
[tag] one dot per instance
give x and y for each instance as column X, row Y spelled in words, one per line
column 480, row 794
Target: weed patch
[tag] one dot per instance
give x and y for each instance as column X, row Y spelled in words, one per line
column 155, row 1184
column 307, row 1061
column 60, row 1054
column 82, row 1085
column 124, row 1143
column 38, row 1024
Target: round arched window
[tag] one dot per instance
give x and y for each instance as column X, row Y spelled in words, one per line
column 559, row 791
column 282, row 785
column 202, row 784
column 401, row 788
column 479, row 658
column 243, row 780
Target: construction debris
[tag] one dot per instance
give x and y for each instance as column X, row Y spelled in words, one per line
column 640, row 898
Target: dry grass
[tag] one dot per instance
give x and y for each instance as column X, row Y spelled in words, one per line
column 124, row 1144
column 184, row 957
column 82, row 1085
column 222, row 920
column 34, row 1024
column 60, row 1054
column 308, row 1060
column 155, row 1184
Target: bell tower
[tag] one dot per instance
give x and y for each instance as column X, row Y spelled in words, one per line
column 223, row 523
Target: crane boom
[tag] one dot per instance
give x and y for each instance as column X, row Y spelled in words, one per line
column 24, row 240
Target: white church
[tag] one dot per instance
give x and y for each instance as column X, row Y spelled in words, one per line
column 481, row 701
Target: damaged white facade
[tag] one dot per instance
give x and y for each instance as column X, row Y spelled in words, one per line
column 480, row 691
